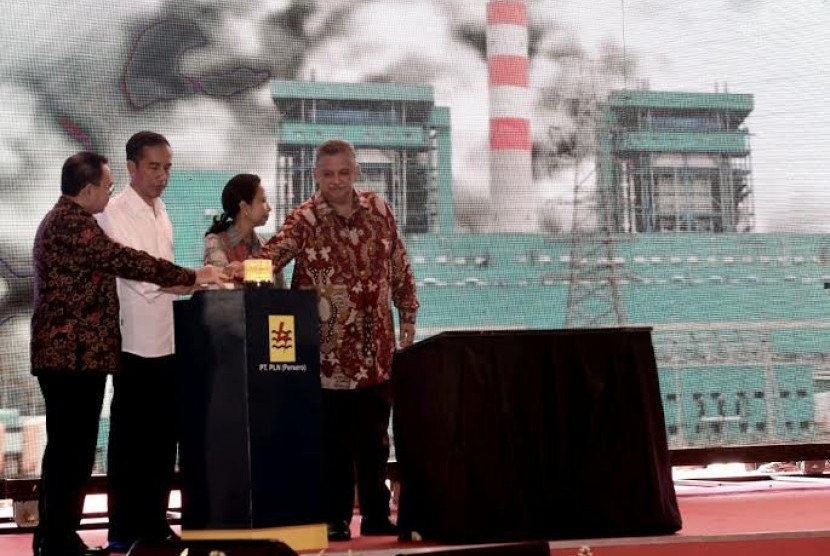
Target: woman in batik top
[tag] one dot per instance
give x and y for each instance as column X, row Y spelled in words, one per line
column 232, row 237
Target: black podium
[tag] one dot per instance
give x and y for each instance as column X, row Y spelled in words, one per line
column 504, row 436
column 250, row 447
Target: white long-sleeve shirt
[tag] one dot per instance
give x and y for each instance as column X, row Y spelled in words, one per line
column 146, row 313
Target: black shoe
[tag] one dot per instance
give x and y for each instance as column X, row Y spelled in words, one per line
column 74, row 547
column 119, row 546
column 339, row 531
column 381, row 527
column 95, row 550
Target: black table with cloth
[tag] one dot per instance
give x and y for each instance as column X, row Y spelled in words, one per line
column 514, row 435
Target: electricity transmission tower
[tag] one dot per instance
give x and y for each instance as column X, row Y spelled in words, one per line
column 594, row 298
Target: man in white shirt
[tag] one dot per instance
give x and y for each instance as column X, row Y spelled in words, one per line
column 143, row 424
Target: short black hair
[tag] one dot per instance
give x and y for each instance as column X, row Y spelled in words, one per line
column 81, row 169
column 143, row 139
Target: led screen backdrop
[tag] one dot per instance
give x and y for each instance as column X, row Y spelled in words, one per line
column 552, row 163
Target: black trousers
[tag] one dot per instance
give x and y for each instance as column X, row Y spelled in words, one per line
column 73, row 408
column 356, row 445
column 142, row 448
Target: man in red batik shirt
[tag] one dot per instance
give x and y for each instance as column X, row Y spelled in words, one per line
column 346, row 246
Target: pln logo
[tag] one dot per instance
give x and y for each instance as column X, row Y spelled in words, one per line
column 282, row 339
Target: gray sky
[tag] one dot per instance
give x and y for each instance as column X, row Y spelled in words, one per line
column 777, row 51
column 63, row 80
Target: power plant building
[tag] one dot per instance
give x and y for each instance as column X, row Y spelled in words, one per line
column 675, row 161
column 739, row 320
column 402, row 141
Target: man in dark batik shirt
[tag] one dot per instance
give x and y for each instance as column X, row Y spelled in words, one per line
column 76, row 340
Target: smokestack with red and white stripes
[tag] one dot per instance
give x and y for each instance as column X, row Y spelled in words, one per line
column 511, row 179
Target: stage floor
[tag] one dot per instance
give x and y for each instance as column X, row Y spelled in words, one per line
column 757, row 517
